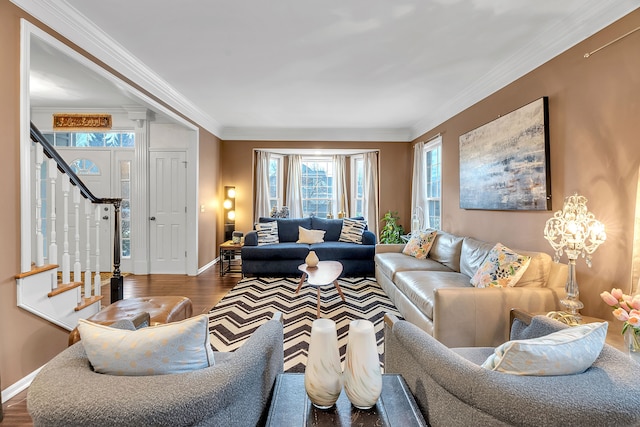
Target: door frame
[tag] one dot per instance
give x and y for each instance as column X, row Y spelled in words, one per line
column 28, row 30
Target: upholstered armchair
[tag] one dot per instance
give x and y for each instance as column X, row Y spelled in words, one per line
column 233, row 392
column 451, row 388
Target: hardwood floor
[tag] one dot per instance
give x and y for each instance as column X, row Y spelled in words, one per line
column 204, row 291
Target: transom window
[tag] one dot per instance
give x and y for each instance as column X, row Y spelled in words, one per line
column 92, row 139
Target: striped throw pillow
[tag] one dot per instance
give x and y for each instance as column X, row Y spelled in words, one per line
column 267, row 233
column 352, row 231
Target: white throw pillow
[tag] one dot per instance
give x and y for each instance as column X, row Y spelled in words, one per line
column 310, row 236
column 569, row 351
column 352, row 230
column 267, row 233
column 156, row 350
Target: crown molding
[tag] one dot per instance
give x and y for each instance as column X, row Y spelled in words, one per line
column 315, row 134
column 68, row 22
column 532, row 55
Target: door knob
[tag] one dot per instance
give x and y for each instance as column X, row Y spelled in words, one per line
column 153, row 218
column 105, row 217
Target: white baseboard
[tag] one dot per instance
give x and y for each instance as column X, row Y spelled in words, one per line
column 207, row 266
column 19, row 386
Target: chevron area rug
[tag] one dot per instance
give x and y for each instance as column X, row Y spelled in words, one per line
column 254, row 300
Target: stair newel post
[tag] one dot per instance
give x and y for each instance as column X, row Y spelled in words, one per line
column 53, row 246
column 96, row 277
column 66, row 262
column 116, row 279
column 77, row 267
column 39, row 236
column 87, row 267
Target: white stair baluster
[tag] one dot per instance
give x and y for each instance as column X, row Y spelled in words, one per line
column 87, row 267
column 53, row 246
column 77, row 267
column 66, row 262
column 97, row 279
column 39, row 236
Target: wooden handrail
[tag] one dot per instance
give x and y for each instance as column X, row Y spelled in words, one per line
column 63, row 167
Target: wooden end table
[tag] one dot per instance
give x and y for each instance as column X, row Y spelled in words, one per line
column 326, row 273
column 228, row 253
column 290, row 406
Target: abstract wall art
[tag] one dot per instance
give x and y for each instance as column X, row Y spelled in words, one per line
column 504, row 164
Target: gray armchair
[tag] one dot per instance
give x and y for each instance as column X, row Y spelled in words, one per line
column 233, row 392
column 452, row 389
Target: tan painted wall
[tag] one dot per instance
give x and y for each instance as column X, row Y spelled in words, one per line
column 208, row 197
column 26, row 341
column 395, row 174
column 594, row 109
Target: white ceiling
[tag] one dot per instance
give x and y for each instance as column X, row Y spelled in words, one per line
column 331, row 69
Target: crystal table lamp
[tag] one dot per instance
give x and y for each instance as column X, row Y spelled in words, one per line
column 574, row 231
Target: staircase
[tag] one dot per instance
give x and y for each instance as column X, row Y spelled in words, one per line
column 39, row 291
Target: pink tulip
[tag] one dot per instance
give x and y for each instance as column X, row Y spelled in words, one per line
column 609, row 299
column 624, row 305
column 617, row 293
column 635, row 302
column 634, row 321
column 621, row 314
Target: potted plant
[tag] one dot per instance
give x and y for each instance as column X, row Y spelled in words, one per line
column 392, row 231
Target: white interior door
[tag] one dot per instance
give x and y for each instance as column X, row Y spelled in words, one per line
column 167, row 209
column 93, row 167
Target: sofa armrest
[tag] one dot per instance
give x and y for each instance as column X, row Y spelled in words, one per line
column 389, row 247
column 473, row 317
column 368, row 237
column 251, row 238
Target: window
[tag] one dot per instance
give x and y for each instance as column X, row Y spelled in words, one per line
column 433, row 164
column 125, row 208
column 357, row 185
column 94, row 139
column 275, row 180
column 317, row 186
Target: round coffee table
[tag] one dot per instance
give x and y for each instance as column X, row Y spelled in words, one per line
column 326, row 273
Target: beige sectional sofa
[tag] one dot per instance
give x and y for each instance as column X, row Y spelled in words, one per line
column 436, row 294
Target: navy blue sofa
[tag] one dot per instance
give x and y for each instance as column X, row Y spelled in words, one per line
column 282, row 259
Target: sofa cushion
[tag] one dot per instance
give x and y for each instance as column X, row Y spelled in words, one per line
column 281, row 251
column 343, row 251
column 163, row 349
column 502, row 267
column 267, row 233
column 566, row 352
column 391, row 263
column 352, row 230
column 420, row 244
column 310, row 236
column 288, row 227
column 333, row 227
column 473, row 254
column 446, row 250
column 537, row 274
column 420, row 286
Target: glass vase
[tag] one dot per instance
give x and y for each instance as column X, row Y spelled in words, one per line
column 323, row 373
column 362, row 375
column 632, row 342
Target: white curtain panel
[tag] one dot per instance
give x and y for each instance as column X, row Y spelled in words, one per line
column 371, row 195
column 262, row 207
column 340, row 186
column 418, row 186
column 294, row 186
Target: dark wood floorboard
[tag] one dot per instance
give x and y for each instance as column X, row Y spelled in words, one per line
column 204, row 291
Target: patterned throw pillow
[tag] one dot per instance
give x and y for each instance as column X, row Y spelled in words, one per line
column 164, row 349
column 568, row 351
column 267, row 233
column 352, row 230
column 502, row 267
column 420, row 244
column 310, row 236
